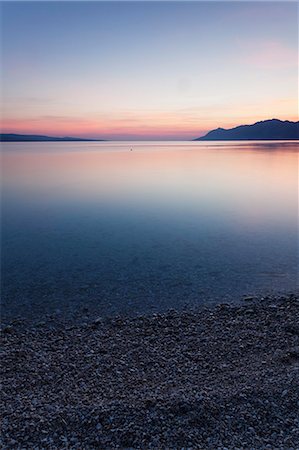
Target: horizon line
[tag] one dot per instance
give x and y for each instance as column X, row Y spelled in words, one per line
column 135, row 139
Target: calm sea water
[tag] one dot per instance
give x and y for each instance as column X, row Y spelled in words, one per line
column 96, row 225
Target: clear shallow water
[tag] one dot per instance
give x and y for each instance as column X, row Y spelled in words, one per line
column 165, row 225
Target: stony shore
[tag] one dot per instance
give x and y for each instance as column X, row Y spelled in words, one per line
column 215, row 378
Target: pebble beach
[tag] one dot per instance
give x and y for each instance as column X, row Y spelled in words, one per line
column 215, row 378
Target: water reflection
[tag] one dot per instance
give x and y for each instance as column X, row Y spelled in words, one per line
column 164, row 224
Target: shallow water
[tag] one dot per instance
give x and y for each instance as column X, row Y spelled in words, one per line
column 164, row 225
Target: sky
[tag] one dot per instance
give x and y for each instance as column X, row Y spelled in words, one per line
column 146, row 70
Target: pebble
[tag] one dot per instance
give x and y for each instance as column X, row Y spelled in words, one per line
column 222, row 378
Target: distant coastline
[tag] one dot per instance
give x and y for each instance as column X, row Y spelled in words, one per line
column 273, row 129
column 38, row 138
column 270, row 130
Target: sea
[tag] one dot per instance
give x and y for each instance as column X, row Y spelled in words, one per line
column 110, row 228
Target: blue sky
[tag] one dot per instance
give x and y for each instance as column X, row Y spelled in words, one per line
column 150, row 70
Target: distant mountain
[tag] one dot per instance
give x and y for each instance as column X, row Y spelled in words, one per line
column 36, row 138
column 266, row 130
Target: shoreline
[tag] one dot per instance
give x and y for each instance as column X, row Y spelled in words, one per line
column 216, row 377
column 82, row 312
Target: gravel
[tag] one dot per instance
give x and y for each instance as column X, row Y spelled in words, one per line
column 215, row 378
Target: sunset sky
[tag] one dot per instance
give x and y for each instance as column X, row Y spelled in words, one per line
column 146, row 70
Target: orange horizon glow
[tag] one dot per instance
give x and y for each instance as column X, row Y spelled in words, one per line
column 161, row 127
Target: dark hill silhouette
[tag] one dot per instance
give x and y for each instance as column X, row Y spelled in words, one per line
column 36, row 138
column 265, row 130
